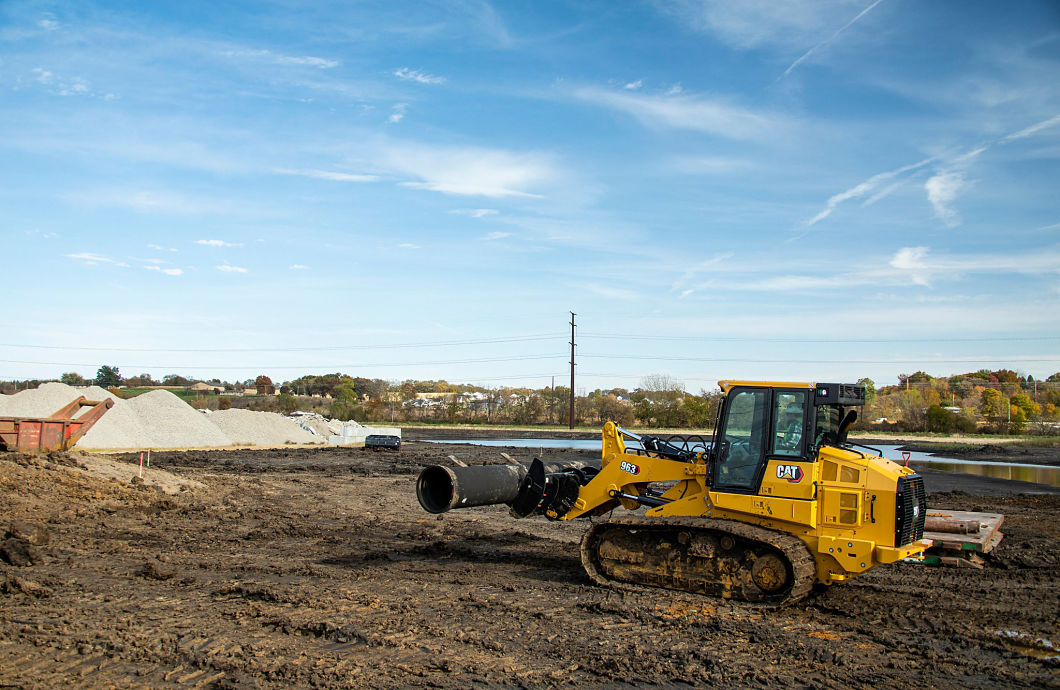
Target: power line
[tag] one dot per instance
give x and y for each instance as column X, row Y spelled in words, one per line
column 540, row 337
column 358, row 365
column 329, row 348
column 788, row 360
column 734, row 339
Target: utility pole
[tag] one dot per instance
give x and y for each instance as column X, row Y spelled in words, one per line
column 572, row 315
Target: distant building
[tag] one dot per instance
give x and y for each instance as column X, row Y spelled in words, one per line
column 205, row 387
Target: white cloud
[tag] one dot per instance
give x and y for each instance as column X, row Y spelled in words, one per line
column 756, row 23
column 829, row 39
column 232, row 269
column 218, row 243
column 709, row 264
column 470, row 171
column 43, row 235
column 48, row 23
column 634, row 85
column 867, row 187
column 418, row 76
column 280, row 59
column 1033, row 129
column 398, row 113
column 93, row 259
column 496, row 236
column 942, row 190
column 309, row 61
column 160, row 248
column 692, row 113
column 612, row 292
column 75, row 86
column 328, row 175
column 298, row 267
column 167, row 271
column 408, row 245
column 911, row 260
column 151, row 202
column 475, row 212
column 907, row 266
column 708, row 165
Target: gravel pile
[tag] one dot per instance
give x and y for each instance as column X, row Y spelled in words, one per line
column 159, row 419
column 47, row 399
column 249, row 428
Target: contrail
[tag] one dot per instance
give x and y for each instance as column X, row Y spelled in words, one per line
column 827, row 40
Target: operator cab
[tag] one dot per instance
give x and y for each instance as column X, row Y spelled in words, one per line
column 760, row 421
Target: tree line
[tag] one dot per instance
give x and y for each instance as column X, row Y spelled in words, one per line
column 984, row 401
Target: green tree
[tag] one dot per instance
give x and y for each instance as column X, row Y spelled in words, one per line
column 611, row 409
column 696, row 412
column 992, row 403
column 994, row 408
column 108, row 376
column 72, row 379
column 288, row 403
column 1018, row 422
column 870, row 391
column 1024, row 402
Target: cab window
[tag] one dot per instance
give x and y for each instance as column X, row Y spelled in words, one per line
column 742, row 449
column 789, row 422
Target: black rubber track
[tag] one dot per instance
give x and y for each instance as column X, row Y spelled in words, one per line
column 791, row 548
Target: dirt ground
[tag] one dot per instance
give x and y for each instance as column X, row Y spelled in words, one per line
column 317, row 568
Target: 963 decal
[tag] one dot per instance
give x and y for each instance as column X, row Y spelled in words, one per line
column 793, row 473
column 629, row 468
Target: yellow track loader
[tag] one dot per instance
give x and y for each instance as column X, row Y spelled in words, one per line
column 777, row 501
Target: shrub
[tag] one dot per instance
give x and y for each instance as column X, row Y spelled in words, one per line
column 288, row 403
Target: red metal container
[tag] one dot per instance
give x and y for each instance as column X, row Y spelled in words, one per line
column 57, row 432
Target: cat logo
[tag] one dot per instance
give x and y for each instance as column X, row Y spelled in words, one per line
column 793, row 473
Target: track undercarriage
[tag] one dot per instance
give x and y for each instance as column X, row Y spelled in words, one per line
column 718, row 558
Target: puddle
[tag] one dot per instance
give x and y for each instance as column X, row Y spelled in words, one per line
column 1037, row 647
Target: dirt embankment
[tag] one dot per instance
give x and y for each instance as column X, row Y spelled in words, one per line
column 316, row 568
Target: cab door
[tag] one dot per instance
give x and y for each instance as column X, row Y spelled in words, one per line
column 789, row 472
column 742, row 445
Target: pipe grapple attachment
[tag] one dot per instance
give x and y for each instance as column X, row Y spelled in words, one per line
column 549, row 489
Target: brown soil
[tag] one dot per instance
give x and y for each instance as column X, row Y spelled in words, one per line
column 317, row 568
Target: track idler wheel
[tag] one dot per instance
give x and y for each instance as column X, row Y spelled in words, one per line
column 770, row 573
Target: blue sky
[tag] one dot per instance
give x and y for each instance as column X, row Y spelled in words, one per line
column 804, row 190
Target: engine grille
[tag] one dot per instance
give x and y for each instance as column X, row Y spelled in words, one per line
column 910, row 510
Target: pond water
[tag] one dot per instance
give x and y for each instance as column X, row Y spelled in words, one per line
column 1039, row 474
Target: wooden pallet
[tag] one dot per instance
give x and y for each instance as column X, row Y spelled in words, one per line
column 959, row 538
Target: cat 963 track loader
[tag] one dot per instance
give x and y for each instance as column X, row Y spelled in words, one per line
column 777, row 501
